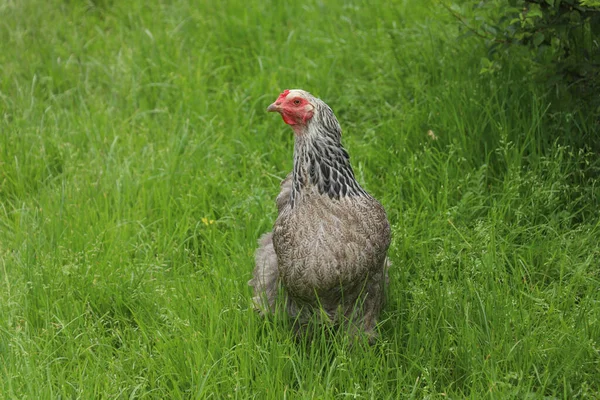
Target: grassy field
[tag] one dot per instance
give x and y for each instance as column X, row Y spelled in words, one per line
column 138, row 167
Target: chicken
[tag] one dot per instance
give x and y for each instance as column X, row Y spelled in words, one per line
column 327, row 250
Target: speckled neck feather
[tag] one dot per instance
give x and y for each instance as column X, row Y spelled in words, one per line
column 320, row 160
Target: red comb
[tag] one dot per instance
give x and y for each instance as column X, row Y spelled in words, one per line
column 283, row 95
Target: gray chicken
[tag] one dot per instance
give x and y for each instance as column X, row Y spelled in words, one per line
column 327, row 250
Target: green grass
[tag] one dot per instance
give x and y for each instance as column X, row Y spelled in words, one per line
column 126, row 128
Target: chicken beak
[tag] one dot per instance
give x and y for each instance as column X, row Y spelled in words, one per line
column 274, row 108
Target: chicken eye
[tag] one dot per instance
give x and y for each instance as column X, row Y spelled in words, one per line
column 297, row 102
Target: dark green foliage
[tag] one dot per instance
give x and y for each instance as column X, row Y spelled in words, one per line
column 558, row 41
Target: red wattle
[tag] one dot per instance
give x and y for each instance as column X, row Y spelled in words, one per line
column 288, row 120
